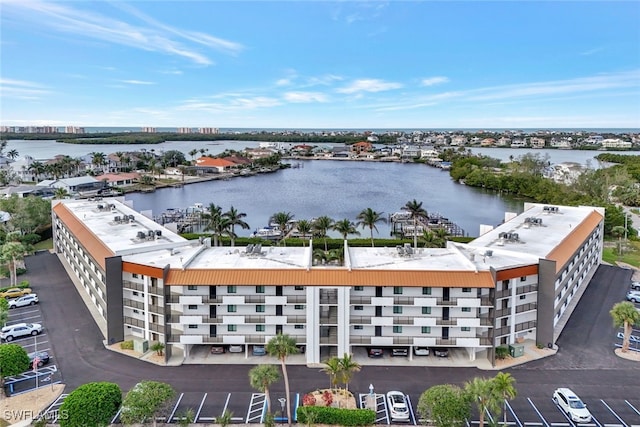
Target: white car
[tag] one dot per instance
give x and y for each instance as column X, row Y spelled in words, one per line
column 421, row 351
column 571, row 404
column 18, row 330
column 633, row 296
column 23, row 301
column 398, row 408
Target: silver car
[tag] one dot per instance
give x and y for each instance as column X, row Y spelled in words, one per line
column 23, row 301
column 9, row 333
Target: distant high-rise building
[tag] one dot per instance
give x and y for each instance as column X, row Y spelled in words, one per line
column 149, row 130
column 74, row 129
column 209, row 131
column 185, row 130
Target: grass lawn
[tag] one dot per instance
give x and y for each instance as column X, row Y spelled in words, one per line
column 45, row 244
column 630, row 255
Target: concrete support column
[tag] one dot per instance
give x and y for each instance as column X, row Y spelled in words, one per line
column 344, row 338
column 145, row 293
column 313, row 320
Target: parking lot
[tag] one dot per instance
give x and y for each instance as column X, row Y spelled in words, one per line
column 45, row 375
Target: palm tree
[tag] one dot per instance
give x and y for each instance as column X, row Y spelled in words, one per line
column 345, row 227
column 369, row 218
column 503, row 386
column 10, row 253
column 12, row 154
column 417, row 212
column 430, row 239
column 442, row 234
column 618, row 231
column 193, row 153
column 480, row 390
column 348, row 367
column 217, row 223
column 60, row 193
column 261, row 377
column 304, row 228
column 333, row 368
column 625, row 315
column 282, row 220
column 98, row 158
column 282, row 346
column 37, row 168
column 320, row 226
column 235, row 218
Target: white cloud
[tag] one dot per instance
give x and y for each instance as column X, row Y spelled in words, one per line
column 157, row 37
column 430, row 81
column 22, row 89
column 369, row 85
column 591, row 51
column 305, row 97
column 283, row 82
column 137, row 82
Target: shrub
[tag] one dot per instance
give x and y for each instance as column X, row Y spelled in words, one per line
column 308, row 400
column 327, row 397
column 502, row 352
column 92, row 404
column 335, row 416
column 126, row 345
column 24, row 284
column 20, row 271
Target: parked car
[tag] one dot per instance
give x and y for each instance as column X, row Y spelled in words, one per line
column 421, row 351
column 15, row 292
column 23, row 301
column 43, row 358
column 217, row 349
column 236, row 349
column 633, row 296
column 9, row 333
column 571, row 404
column 398, row 409
column 635, row 286
column 376, row 352
column 632, row 338
column 399, row 352
column 259, row 350
column 441, row 351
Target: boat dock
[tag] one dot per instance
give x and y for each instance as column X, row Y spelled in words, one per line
column 403, row 225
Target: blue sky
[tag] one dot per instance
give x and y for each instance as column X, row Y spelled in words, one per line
column 305, row 64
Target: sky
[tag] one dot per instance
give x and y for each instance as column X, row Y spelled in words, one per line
column 320, row 64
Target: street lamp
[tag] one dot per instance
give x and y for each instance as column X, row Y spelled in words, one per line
column 626, row 216
column 370, row 389
column 282, row 401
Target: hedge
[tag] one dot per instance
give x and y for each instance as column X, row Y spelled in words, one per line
column 93, row 404
column 336, row 416
column 22, row 285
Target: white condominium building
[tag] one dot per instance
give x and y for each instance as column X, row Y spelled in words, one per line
column 518, row 281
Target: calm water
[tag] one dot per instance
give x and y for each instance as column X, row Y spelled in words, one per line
column 338, row 189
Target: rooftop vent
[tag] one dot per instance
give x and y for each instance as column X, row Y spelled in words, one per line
column 141, row 235
column 551, row 209
column 117, row 218
column 158, row 233
column 488, row 252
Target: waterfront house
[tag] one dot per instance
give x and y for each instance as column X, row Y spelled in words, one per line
column 537, row 142
column 74, row 185
column 488, row 142
column 213, row 165
column 119, row 179
column 616, row 143
column 361, row 147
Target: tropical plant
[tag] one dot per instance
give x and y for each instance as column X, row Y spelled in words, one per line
column 282, row 220
column 186, row 418
column 416, row 212
column 158, row 347
column 304, row 227
column 625, row 315
column 92, row 404
column 345, row 227
column 348, row 368
column 60, row 193
column 217, row 223
column 444, row 405
column 333, row 368
column 11, row 253
column 282, row 346
column 145, row 401
column 4, row 312
column 503, row 386
column 225, row 419
column 13, row 361
column 368, row 218
column 480, row 391
column 235, row 218
column 261, row 377
column 321, row 226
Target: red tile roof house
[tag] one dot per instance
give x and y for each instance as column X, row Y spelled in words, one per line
column 119, row 179
column 361, row 147
column 214, row 165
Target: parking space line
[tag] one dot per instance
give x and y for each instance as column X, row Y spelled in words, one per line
column 197, row 415
column 17, row 311
column 506, row 404
column 632, row 407
column 537, row 412
column 614, row 413
column 23, row 320
column 175, row 408
column 411, row 413
column 257, row 404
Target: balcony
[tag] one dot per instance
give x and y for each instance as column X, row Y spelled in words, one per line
column 355, row 339
column 296, row 320
column 133, row 304
column 402, row 340
column 357, row 300
column 451, row 342
column 446, row 322
column 451, row 302
column 526, row 325
column 402, row 320
column 526, row 307
column 209, row 300
column 402, row 300
column 296, row 299
column 328, row 340
column 526, row 289
column 360, row 320
column 259, row 320
column 254, row 299
column 209, row 320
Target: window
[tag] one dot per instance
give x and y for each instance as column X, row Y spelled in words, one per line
column 299, row 307
column 466, row 290
column 397, row 329
column 523, row 279
column 193, row 326
column 359, row 288
column 136, row 311
column 232, row 309
column 260, row 308
column 426, row 310
column 193, row 307
column 231, row 289
column 505, row 283
column 466, row 309
column 465, row 329
column 298, row 327
column 232, row 328
column 358, row 307
column 260, row 328
column 299, row 288
column 397, row 290
column 259, row 289
column 426, row 291
column 135, row 275
column 426, row 329
column 397, row 309
column 192, row 288
column 523, row 296
column 135, row 293
column 358, row 327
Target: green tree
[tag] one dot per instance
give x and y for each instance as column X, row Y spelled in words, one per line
column 481, row 393
column 217, row 223
column 368, row 218
column 504, row 386
column 13, row 361
column 321, row 226
column 333, row 368
column 304, row 227
column 417, row 212
column 235, row 218
column 98, row 159
column 618, row 231
column 625, row 315
column 282, row 346
column 444, row 405
column 282, row 220
column 60, row 193
column 92, row 404
column 430, row 239
column 348, row 367
column 4, row 312
column 146, row 401
column 345, row 227
column 261, row 377
column 11, row 253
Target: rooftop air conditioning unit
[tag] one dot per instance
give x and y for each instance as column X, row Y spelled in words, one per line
column 488, row 252
column 141, row 235
column 158, row 233
column 116, row 218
